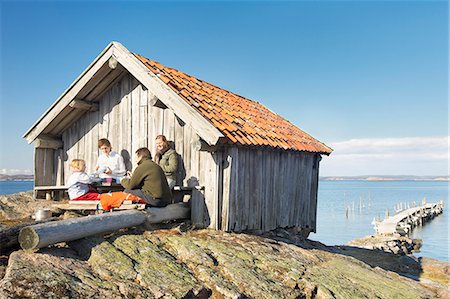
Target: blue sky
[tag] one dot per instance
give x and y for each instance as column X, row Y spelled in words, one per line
column 370, row 79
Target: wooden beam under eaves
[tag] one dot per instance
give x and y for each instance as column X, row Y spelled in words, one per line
column 45, row 141
column 198, row 144
column 154, row 101
column 83, row 105
column 112, row 62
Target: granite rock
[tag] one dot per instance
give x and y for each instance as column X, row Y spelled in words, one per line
column 213, row 264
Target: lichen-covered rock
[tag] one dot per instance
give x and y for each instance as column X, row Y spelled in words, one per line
column 156, row 269
column 343, row 278
column 55, row 273
column 205, row 263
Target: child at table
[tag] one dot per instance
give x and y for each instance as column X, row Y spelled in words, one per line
column 80, row 188
column 79, row 183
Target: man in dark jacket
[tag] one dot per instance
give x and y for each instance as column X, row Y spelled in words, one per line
column 148, row 181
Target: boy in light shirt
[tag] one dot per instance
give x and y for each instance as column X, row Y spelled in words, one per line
column 79, row 182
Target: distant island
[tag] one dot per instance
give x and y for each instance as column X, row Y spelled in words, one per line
column 385, row 178
column 30, row 177
column 16, row 177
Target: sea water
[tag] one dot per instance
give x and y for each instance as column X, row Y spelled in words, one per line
column 336, row 227
column 10, row 187
column 346, row 210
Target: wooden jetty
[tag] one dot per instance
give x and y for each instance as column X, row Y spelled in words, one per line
column 404, row 221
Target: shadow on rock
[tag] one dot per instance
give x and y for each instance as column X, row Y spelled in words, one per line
column 404, row 265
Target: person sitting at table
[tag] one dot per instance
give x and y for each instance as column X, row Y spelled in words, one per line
column 148, row 181
column 109, row 164
column 167, row 159
column 79, row 183
column 80, row 188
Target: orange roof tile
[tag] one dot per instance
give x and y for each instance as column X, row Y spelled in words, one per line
column 240, row 120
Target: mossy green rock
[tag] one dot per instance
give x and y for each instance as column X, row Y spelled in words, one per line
column 205, row 263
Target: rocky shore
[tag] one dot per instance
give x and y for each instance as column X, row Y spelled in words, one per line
column 176, row 261
column 395, row 244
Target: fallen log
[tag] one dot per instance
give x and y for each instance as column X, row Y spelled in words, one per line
column 42, row 235
column 171, row 212
column 9, row 237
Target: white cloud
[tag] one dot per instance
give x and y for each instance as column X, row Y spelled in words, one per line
column 388, row 156
column 15, row 171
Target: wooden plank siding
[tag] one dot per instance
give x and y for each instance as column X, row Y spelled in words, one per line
column 245, row 188
column 126, row 117
column 44, row 166
column 265, row 189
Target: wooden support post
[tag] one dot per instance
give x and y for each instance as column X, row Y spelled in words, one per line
column 197, row 208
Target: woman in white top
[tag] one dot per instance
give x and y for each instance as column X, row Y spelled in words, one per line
column 109, row 164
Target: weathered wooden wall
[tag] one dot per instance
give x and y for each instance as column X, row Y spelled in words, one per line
column 245, row 189
column 266, row 189
column 44, row 167
column 128, row 119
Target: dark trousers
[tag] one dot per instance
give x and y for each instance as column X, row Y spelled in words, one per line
column 155, row 202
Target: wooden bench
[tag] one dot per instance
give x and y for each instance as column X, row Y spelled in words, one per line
column 94, row 205
column 57, row 192
column 51, row 192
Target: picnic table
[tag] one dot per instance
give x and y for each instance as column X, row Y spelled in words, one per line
column 59, row 192
column 94, row 205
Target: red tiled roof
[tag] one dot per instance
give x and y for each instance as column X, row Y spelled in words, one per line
column 240, row 120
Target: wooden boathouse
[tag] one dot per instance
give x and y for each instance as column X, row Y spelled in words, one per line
column 259, row 171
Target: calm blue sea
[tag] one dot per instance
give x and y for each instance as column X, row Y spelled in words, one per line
column 334, row 228
column 10, row 187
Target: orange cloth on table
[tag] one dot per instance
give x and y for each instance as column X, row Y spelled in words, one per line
column 115, row 199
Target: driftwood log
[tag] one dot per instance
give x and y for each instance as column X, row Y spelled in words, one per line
column 45, row 234
column 9, row 237
column 171, row 212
